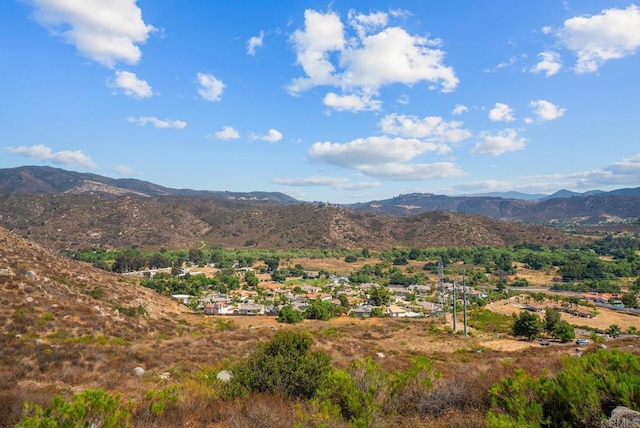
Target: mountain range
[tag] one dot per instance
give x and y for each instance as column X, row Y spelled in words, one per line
column 45, row 179
column 66, row 210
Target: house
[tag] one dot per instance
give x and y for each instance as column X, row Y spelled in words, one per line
column 337, row 280
column 185, row 299
column 395, row 311
column 368, row 286
column 363, row 311
column 250, row 309
column 420, row 289
column 310, row 289
column 220, row 308
column 400, row 291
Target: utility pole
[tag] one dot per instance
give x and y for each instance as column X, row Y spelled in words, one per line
column 464, row 303
column 441, row 291
column 454, row 306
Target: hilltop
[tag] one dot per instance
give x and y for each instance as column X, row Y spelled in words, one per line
column 48, row 180
column 72, row 221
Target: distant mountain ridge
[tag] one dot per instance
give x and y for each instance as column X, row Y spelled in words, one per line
column 590, row 208
column 595, row 207
column 45, row 179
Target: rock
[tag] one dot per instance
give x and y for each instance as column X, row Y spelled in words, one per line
column 380, row 355
column 602, row 346
column 138, row 371
column 165, row 376
column 224, row 376
column 622, row 417
column 31, row 274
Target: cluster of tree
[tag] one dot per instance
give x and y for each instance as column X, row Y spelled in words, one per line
column 580, row 267
column 317, row 310
column 530, row 326
column 386, row 274
column 194, row 285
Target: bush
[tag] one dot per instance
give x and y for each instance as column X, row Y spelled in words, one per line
column 581, row 394
column 289, row 315
column 285, row 365
column 91, row 408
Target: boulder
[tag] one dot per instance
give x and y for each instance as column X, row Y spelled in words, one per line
column 622, row 417
column 224, row 376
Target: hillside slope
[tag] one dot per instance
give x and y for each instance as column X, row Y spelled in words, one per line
column 45, row 179
column 76, row 221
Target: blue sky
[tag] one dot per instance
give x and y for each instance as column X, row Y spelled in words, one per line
column 327, row 101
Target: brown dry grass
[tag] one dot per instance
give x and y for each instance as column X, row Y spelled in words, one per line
column 602, row 321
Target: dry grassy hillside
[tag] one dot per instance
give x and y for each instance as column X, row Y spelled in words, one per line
column 76, row 221
column 66, row 327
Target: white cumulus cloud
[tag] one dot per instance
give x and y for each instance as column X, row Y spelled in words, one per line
column 549, row 63
column 351, row 102
column 129, row 83
column 329, row 56
column 272, row 136
column 432, row 128
column 209, row 87
column 124, row 170
column 459, row 109
column 158, row 123
column 105, row 31
column 369, row 151
column 625, row 172
column 546, row 110
column 403, row 172
column 43, row 153
column 337, row 183
column 323, row 33
column 501, row 113
column 365, row 24
column 499, row 143
column 612, row 34
column 227, row 133
column 254, row 43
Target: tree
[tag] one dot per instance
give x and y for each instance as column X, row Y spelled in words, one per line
column 630, row 300
column 551, row 319
column 320, row 310
column 526, row 325
column 344, row 301
column 614, row 331
column 279, row 275
column 272, row 263
column 379, row 295
column 252, row 279
column 196, row 256
column 564, row 331
column 285, row 365
column 289, row 315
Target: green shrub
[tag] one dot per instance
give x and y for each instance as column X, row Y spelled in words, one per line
column 289, row 315
column 159, row 401
column 586, row 390
column 285, row 365
column 91, row 408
